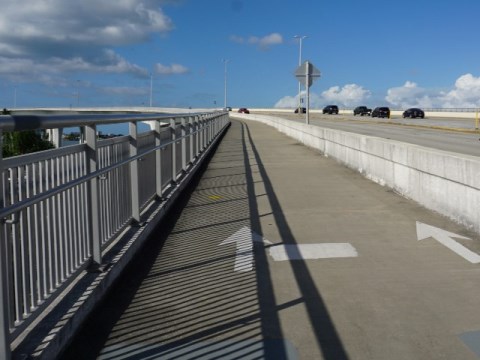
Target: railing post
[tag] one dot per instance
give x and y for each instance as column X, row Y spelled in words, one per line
column 5, row 352
column 184, row 144
column 134, row 184
column 173, row 132
column 197, row 135
column 204, row 132
column 210, row 130
column 93, row 197
column 200, row 134
column 158, row 159
column 191, row 137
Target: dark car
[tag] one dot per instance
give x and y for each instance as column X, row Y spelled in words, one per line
column 414, row 113
column 244, row 110
column 381, row 112
column 362, row 110
column 330, row 109
column 300, row 110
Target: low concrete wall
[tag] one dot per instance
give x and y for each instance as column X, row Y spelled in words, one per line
column 448, row 183
column 441, row 114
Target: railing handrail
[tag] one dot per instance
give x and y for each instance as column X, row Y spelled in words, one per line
column 14, row 122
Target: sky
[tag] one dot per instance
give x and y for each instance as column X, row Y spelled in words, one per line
column 178, row 53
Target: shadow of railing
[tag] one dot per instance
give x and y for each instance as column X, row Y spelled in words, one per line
column 181, row 298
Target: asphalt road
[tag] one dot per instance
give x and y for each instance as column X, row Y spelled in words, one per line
column 453, row 135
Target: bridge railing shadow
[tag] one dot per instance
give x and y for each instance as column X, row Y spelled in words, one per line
column 182, row 299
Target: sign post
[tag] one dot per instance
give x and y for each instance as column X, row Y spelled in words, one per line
column 306, row 74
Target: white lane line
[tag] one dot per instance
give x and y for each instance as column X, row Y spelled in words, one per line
column 312, row 251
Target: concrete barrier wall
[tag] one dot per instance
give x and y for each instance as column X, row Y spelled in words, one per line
column 441, row 114
column 448, row 183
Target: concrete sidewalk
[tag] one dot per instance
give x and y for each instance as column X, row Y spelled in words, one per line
column 281, row 253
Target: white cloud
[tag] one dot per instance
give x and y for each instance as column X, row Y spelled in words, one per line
column 348, row 96
column 266, row 41
column 170, row 70
column 263, row 42
column 410, row 95
column 464, row 94
column 287, row 102
column 75, row 35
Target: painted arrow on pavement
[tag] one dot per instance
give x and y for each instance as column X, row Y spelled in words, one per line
column 445, row 238
column 244, row 239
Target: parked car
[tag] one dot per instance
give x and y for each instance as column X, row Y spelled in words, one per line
column 300, row 110
column 330, row 109
column 244, row 110
column 382, row 112
column 414, row 113
column 362, row 110
column 228, row 108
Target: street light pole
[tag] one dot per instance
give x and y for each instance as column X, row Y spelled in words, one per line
column 225, row 62
column 300, row 38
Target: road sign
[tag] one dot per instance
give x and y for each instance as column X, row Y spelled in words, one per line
column 307, row 73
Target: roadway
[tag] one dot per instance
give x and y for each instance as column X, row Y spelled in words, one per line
column 281, row 253
column 454, row 135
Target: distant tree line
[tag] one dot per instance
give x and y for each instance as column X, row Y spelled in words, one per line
column 23, row 142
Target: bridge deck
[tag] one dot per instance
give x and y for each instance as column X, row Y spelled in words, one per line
column 281, row 253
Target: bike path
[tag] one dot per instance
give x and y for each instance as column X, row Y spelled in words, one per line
column 281, row 253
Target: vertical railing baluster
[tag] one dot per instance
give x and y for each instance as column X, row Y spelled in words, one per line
column 93, row 198
column 64, row 239
column 37, row 234
column 134, row 185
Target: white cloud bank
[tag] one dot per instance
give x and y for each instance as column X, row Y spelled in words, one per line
column 347, row 96
column 465, row 93
column 66, row 36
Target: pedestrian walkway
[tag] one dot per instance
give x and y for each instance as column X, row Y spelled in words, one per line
column 281, row 253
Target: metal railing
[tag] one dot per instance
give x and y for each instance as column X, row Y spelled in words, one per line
column 61, row 208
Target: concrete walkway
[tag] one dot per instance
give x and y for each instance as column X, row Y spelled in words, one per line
column 281, row 253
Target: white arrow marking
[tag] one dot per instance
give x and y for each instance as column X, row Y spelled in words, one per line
column 312, row 251
column 244, row 239
column 444, row 237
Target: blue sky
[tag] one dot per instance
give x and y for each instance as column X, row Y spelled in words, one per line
column 59, row 53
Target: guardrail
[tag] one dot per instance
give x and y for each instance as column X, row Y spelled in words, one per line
column 62, row 208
